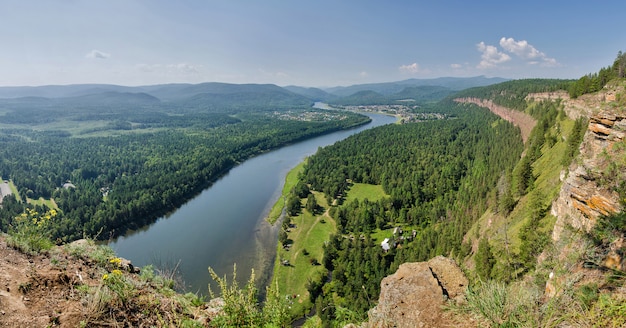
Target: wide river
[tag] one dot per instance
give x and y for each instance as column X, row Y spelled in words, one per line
column 225, row 224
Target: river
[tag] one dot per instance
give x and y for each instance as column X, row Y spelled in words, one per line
column 225, row 224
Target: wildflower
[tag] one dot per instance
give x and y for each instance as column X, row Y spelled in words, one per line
column 116, row 261
column 116, row 272
column 105, row 276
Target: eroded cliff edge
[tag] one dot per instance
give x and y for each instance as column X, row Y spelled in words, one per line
column 589, row 185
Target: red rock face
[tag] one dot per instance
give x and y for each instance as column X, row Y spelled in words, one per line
column 524, row 121
column 587, row 192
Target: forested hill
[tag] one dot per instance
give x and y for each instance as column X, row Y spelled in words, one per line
column 537, row 227
column 108, row 158
column 231, row 98
column 452, row 83
column 437, row 175
column 172, row 98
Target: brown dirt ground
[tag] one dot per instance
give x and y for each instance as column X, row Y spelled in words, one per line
column 36, row 293
column 49, row 290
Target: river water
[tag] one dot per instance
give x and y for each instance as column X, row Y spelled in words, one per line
column 225, row 224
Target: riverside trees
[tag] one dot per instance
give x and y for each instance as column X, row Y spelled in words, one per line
column 126, row 180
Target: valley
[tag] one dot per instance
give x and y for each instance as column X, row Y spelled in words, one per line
column 459, row 181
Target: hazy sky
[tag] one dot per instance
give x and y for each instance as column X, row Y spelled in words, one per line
column 297, row 42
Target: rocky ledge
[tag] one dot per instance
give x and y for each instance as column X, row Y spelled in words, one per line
column 415, row 294
column 588, row 192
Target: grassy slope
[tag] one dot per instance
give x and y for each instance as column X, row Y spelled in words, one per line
column 310, row 233
column 14, row 191
column 547, row 170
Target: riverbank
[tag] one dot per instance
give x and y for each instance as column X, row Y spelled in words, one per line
column 227, row 223
column 301, row 260
column 290, row 181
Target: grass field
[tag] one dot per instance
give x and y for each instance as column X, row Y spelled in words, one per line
column 362, row 191
column 14, row 191
column 308, row 236
column 50, row 203
column 41, row 201
column 290, row 182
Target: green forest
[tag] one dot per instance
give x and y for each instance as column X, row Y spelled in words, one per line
column 433, row 184
column 438, row 175
column 441, row 178
column 138, row 165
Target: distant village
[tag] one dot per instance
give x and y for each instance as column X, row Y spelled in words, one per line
column 403, row 112
column 308, row 116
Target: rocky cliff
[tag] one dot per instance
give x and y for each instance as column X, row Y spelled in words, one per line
column 415, row 294
column 522, row 120
column 588, row 189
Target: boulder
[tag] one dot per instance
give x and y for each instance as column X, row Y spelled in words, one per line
column 414, row 295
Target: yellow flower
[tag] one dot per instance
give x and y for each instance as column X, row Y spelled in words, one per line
column 116, row 260
column 117, row 272
column 105, row 276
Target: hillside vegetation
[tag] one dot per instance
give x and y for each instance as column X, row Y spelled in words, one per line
column 501, row 234
column 107, row 160
column 536, row 226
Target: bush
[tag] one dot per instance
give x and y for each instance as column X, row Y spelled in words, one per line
column 241, row 307
column 31, row 232
column 504, row 306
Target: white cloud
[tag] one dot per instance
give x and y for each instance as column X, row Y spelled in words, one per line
column 527, row 52
column 97, row 54
column 363, row 74
column 491, row 56
column 456, row 66
column 410, row 69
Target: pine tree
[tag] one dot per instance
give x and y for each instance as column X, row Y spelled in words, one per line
column 484, row 260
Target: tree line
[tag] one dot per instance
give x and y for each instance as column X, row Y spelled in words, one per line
column 593, row 82
column 127, row 181
column 438, row 174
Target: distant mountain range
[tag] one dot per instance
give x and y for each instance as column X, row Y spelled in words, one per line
column 226, row 97
column 388, row 88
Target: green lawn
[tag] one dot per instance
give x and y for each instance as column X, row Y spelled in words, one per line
column 14, row 191
column 290, row 182
column 41, row 201
column 310, row 233
column 50, row 203
column 362, row 191
column 379, row 235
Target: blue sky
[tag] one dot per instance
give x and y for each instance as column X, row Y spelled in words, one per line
column 318, row 43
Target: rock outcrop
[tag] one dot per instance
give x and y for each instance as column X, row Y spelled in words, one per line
column 587, row 192
column 524, row 121
column 414, row 295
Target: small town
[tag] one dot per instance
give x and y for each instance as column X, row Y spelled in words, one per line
column 404, row 113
